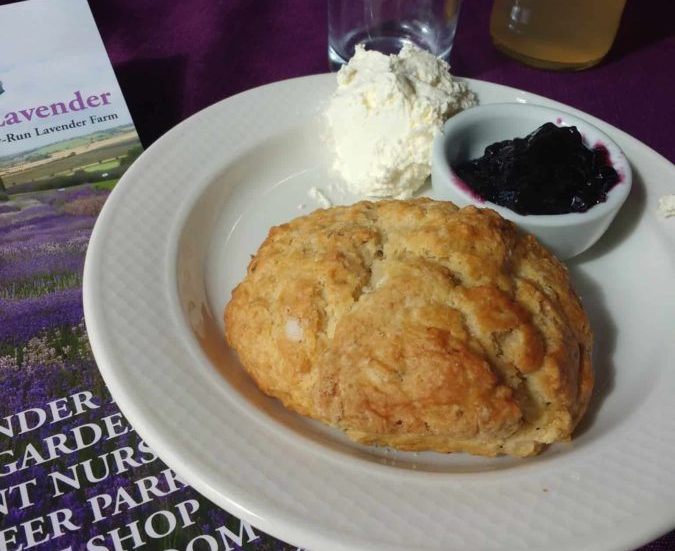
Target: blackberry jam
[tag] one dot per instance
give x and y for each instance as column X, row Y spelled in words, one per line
column 550, row 171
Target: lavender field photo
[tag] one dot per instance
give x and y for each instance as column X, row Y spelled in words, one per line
column 42, row 248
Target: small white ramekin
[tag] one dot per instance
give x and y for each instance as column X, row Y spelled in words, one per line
column 466, row 135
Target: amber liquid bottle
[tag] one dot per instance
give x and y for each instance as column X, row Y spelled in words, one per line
column 556, row 34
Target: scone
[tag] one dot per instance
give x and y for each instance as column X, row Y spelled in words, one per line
column 416, row 325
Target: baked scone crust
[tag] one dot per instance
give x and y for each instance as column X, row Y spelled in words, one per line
column 416, row 325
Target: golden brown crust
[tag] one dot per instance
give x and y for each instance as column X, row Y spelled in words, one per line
column 416, row 325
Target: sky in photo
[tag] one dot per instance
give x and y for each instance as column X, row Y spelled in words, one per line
column 51, row 48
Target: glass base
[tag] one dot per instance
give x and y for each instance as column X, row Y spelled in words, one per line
column 546, row 63
column 389, row 38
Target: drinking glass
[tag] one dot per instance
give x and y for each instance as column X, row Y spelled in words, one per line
column 556, row 34
column 386, row 25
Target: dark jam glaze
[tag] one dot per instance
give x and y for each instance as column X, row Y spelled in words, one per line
column 550, row 171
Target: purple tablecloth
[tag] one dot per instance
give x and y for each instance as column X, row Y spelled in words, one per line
column 175, row 58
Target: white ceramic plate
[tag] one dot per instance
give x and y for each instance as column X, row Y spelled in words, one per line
column 174, row 238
